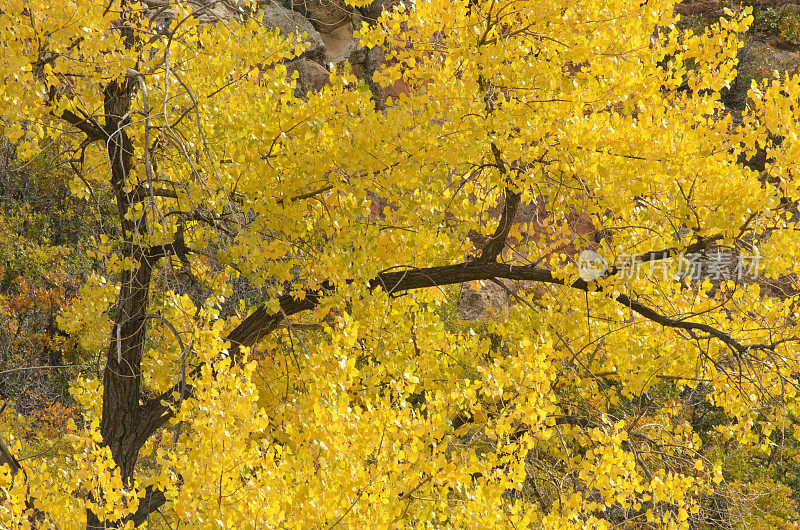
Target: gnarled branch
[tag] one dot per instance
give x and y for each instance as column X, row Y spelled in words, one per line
column 261, row 322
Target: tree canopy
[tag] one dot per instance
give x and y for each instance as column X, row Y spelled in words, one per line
column 270, row 314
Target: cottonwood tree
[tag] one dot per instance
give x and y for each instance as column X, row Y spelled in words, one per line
column 516, row 134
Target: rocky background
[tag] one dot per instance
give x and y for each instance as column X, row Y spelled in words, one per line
column 772, row 44
column 328, row 26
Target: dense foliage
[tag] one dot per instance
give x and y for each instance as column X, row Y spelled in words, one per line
column 256, row 295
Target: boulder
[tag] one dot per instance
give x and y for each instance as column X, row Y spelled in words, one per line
column 289, row 23
column 340, row 44
column 325, row 15
column 335, row 21
column 311, row 76
column 709, row 8
column 160, row 18
column 292, row 25
column 210, row 12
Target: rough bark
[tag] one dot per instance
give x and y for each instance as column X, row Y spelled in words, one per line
column 121, row 420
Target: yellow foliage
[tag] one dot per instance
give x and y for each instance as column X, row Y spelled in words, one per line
column 388, row 411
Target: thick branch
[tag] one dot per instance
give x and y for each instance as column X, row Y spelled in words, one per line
column 497, row 242
column 92, row 129
column 8, row 459
column 261, row 322
column 152, row 501
column 156, row 252
column 701, row 244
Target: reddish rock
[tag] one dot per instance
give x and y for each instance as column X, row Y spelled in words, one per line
column 311, row 76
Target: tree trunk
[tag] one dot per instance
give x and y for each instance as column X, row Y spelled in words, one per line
column 122, row 376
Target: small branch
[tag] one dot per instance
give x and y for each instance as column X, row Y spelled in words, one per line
column 141, row 193
column 204, row 217
column 308, row 195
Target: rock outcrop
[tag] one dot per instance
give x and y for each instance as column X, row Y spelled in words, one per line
column 292, row 25
column 325, row 15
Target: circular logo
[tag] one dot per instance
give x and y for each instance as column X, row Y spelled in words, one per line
column 591, row 265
